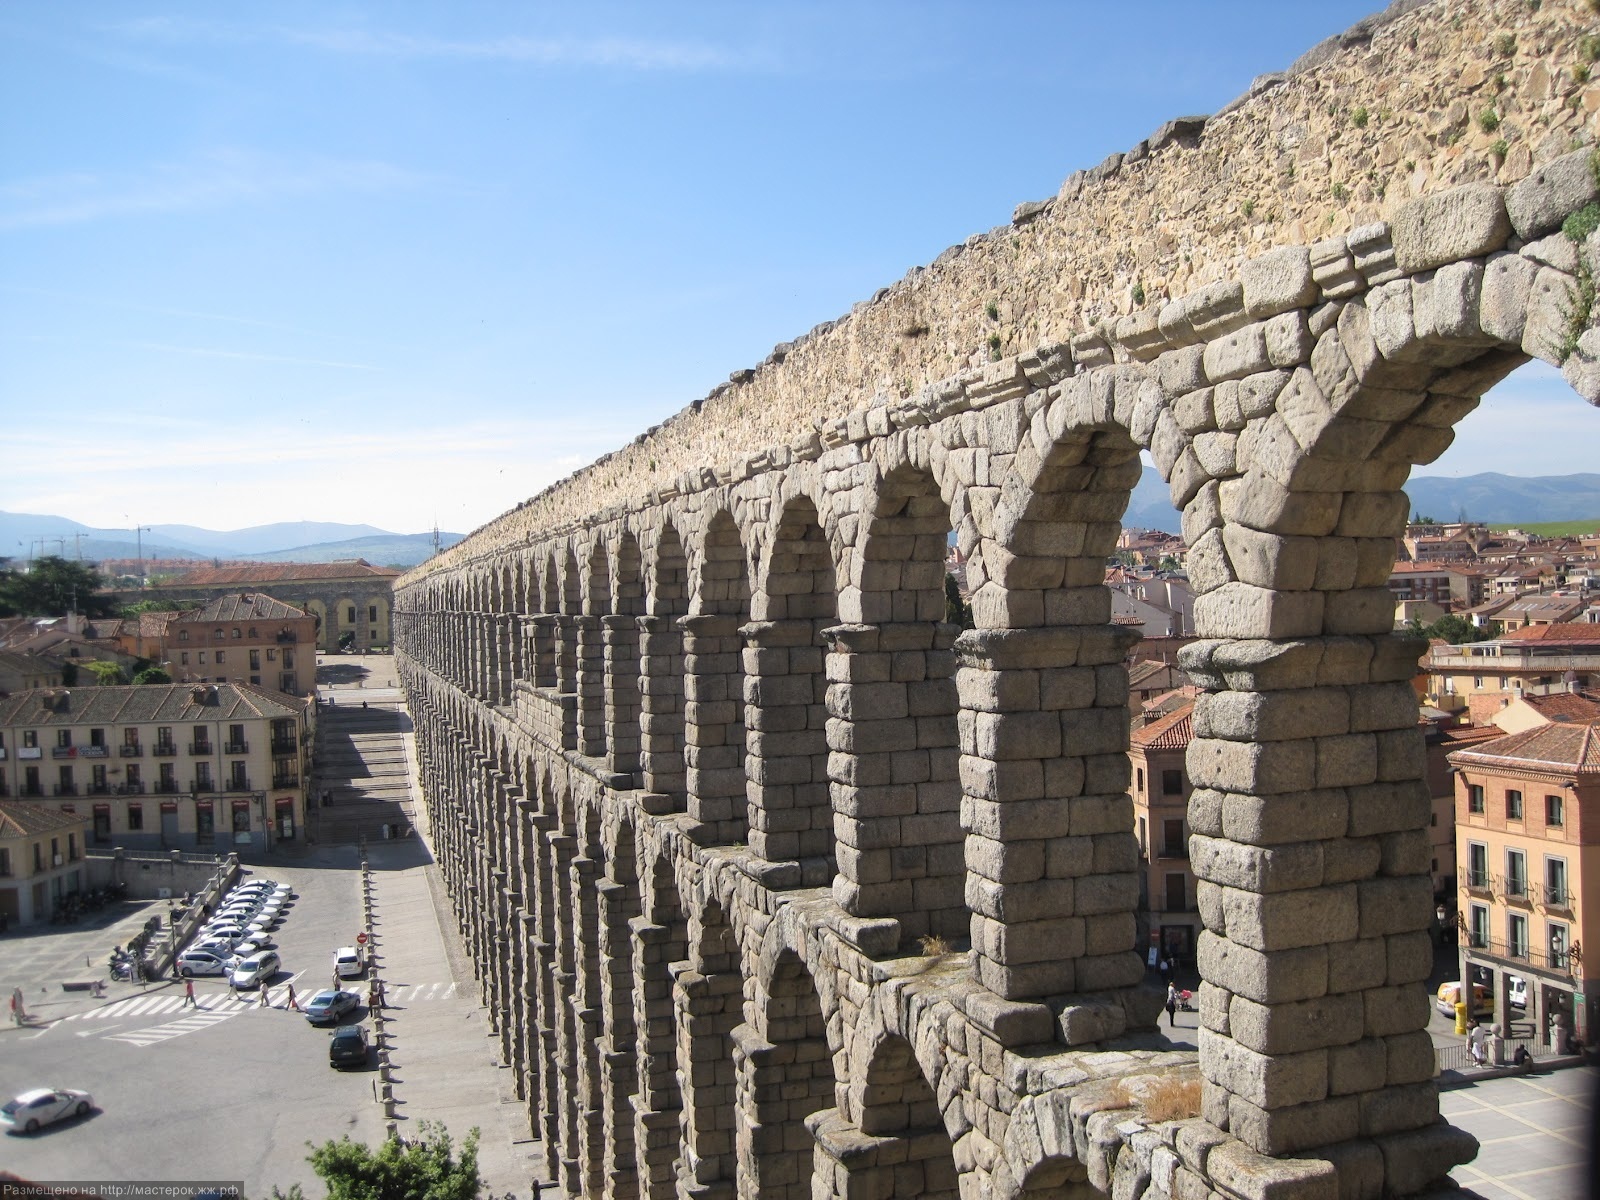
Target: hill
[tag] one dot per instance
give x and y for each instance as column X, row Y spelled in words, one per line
column 386, row 549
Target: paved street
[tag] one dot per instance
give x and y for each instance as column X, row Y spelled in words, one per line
column 1533, row 1132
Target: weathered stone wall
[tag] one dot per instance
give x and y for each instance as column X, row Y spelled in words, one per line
column 1391, row 110
column 777, row 885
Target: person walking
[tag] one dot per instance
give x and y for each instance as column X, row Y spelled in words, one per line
column 266, row 998
column 293, row 1005
column 1172, row 1005
column 188, row 994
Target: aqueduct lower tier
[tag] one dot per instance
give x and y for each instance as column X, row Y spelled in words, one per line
column 778, row 885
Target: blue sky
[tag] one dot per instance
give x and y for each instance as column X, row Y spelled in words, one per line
column 399, row 263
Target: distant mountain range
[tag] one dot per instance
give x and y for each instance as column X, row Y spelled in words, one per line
column 1491, row 498
column 286, row 541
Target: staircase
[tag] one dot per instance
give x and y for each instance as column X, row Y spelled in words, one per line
column 361, row 761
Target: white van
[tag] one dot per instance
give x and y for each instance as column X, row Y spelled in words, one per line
column 1517, row 996
column 349, row 962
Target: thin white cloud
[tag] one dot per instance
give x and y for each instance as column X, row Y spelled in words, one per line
column 247, row 356
column 214, row 180
column 610, row 53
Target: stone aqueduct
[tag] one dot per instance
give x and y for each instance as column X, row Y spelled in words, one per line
column 777, row 885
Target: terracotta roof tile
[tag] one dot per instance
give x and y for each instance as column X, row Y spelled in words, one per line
column 264, row 574
column 18, row 818
column 1573, row 748
column 1172, row 732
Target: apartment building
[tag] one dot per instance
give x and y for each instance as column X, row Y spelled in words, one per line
column 41, row 860
column 1528, row 867
column 1161, row 823
column 1483, row 677
column 245, row 638
column 213, row 767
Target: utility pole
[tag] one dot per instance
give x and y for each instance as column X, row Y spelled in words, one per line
column 138, row 532
column 77, row 543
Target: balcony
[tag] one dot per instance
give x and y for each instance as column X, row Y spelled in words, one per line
column 286, row 638
column 199, row 748
column 98, row 789
column 1559, row 961
column 131, row 750
column 167, row 787
column 1516, row 890
column 285, row 781
column 236, row 748
column 1175, row 850
column 65, row 789
column 238, row 784
column 164, row 750
column 285, row 745
column 1557, row 897
column 32, row 790
column 130, row 789
column 1478, row 881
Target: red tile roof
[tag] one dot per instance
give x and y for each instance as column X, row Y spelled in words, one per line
column 18, row 818
column 1563, row 631
column 258, row 574
column 1565, row 748
column 1172, row 732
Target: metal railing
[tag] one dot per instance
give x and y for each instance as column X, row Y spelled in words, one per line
column 201, row 748
column 164, row 750
column 237, row 748
column 131, row 750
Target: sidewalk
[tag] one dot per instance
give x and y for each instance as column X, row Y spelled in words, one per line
column 443, row 1057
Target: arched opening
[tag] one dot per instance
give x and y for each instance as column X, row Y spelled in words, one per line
column 709, row 996
column 786, row 692
column 902, row 1147
column 591, row 654
column 789, row 1076
column 714, row 732
column 621, row 916
column 1052, row 863
column 896, row 793
column 661, row 943
column 622, row 634
column 661, row 681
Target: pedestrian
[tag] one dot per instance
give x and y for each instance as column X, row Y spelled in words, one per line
column 266, row 998
column 188, row 993
column 14, row 1020
column 1172, row 1005
column 363, row 704
column 292, row 1004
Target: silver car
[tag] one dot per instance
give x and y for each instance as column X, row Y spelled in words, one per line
column 33, row 1110
column 255, row 971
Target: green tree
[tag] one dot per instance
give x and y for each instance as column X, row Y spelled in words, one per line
column 151, row 675
column 53, row 586
column 422, row 1168
column 106, row 674
column 1456, row 630
column 956, row 610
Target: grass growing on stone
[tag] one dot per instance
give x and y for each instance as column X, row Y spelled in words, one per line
column 1172, row 1099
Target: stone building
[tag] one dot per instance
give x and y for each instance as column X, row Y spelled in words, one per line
column 162, row 766
column 776, row 884
column 351, row 601
column 41, row 860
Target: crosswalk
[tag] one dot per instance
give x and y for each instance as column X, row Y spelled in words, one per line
column 210, row 1008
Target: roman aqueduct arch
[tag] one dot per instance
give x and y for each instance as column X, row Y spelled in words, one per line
column 776, row 882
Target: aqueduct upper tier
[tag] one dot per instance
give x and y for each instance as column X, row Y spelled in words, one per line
column 777, row 882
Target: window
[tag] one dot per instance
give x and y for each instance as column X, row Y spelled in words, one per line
column 1173, row 843
column 1177, row 893
column 1477, row 681
column 253, row 632
column 241, row 818
column 372, row 614
column 220, row 654
column 272, row 655
column 72, row 846
column 97, row 737
column 5, row 862
column 1172, row 783
column 183, row 658
column 135, row 817
column 63, row 738
column 238, row 780
column 1555, row 811
column 1513, row 805
column 350, row 615
column 1474, row 797
column 183, row 635
column 255, row 679
column 66, row 786
column 30, row 738
column 217, row 635
column 288, row 658
column 1556, row 946
column 130, row 737
column 1139, row 780
column 1516, row 874
column 255, row 660
column 97, row 780
column 1477, row 865
column 237, row 632
column 202, row 777
column 1144, row 844
column 169, row 777
column 1555, row 883
column 204, row 825
column 1516, row 935
column 202, row 658
column 30, row 782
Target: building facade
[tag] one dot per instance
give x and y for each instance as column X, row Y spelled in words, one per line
column 41, row 860
column 1528, row 865
column 1481, row 678
column 246, row 638
column 351, row 601
column 162, row 766
column 1161, row 820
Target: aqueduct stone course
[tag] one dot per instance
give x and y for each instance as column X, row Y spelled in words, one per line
column 778, row 885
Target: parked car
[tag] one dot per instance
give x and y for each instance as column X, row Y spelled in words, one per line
column 327, row 1006
column 348, row 1047
column 33, row 1110
column 255, row 971
column 236, row 957
column 349, row 962
column 1449, row 993
column 1518, row 989
column 201, row 962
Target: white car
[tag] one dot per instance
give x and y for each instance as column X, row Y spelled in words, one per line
column 201, row 962
column 255, row 971
column 349, row 962
column 235, row 958
column 31, row 1111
